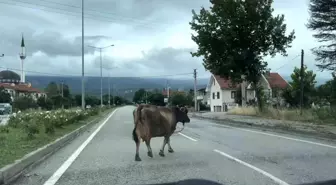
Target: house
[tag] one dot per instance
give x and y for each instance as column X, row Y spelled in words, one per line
column 223, row 93
column 10, row 81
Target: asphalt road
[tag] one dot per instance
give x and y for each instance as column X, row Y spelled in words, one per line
column 204, row 150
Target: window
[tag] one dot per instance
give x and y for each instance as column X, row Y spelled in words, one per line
column 213, row 95
column 233, row 94
column 217, row 95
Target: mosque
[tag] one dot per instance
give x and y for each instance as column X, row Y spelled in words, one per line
column 15, row 84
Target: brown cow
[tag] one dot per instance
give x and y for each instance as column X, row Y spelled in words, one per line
column 156, row 121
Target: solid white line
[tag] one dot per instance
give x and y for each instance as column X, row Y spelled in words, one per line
column 275, row 179
column 55, row 177
column 289, row 138
column 187, row 137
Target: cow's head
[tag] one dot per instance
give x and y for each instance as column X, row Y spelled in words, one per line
column 181, row 114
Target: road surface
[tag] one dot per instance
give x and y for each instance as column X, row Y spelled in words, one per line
column 204, row 150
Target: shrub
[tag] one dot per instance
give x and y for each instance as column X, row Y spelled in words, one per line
column 31, row 121
column 322, row 115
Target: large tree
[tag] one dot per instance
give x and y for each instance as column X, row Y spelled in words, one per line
column 234, row 36
column 323, row 19
column 5, row 97
column 292, row 94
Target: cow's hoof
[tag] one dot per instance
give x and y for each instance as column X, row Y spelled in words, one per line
column 150, row 154
column 170, row 150
column 161, row 153
column 137, row 158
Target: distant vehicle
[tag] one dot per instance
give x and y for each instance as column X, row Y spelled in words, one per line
column 5, row 108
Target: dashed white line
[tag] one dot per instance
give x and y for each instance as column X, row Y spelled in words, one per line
column 187, row 137
column 275, row 179
column 60, row 171
column 288, row 138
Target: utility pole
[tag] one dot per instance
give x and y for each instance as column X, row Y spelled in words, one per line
column 83, row 88
column 195, row 95
column 109, row 92
column 301, row 79
column 101, row 71
column 62, row 84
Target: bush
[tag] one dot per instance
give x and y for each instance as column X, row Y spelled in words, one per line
column 322, row 115
column 31, row 121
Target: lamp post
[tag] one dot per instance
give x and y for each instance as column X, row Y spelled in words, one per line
column 101, row 71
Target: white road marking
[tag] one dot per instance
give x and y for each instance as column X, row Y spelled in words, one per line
column 60, row 171
column 289, row 138
column 187, row 137
column 275, row 179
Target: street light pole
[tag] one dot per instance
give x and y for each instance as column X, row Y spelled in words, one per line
column 101, row 78
column 101, row 71
column 83, row 88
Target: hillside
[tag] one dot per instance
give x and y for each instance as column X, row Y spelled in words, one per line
column 124, row 86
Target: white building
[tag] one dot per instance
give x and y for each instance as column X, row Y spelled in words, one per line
column 221, row 92
column 10, row 81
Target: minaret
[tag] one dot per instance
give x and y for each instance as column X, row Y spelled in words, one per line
column 22, row 57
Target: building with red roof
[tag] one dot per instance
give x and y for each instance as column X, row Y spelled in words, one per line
column 222, row 92
column 10, row 81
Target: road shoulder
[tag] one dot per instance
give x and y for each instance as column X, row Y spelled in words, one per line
column 322, row 132
column 22, row 166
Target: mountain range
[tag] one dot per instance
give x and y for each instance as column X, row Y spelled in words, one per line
column 123, row 86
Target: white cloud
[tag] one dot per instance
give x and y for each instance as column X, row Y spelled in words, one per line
column 150, row 37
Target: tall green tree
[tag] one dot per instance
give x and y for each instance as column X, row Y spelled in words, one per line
column 52, row 89
column 139, row 96
column 327, row 91
column 156, row 99
column 292, row 94
column 5, row 97
column 234, row 36
column 322, row 20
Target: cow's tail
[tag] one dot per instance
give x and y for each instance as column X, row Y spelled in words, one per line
column 138, row 114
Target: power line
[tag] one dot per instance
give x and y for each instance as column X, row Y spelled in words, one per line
column 288, row 62
column 74, row 13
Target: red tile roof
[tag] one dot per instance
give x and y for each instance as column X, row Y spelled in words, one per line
column 274, row 79
column 225, row 83
column 20, row 87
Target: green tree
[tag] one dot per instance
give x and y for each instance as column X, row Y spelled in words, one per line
column 139, row 96
column 52, row 89
column 180, row 99
column 24, row 103
column 156, row 99
column 327, row 91
column 322, row 20
column 292, row 94
column 5, row 97
column 45, row 103
column 234, row 36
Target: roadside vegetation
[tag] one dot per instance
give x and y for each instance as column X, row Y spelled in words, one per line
column 319, row 103
column 29, row 130
column 318, row 116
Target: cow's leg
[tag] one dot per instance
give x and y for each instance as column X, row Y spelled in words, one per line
column 149, row 153
column 170, row 149
column 165, row 140
column 137, row 143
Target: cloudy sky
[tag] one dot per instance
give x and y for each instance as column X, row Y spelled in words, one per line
column 151, row 37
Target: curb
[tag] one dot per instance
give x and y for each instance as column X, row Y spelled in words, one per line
column 278, row 128
column 13, row 171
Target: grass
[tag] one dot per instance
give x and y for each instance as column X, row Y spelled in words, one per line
column 14, row 143
column 319, row 116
